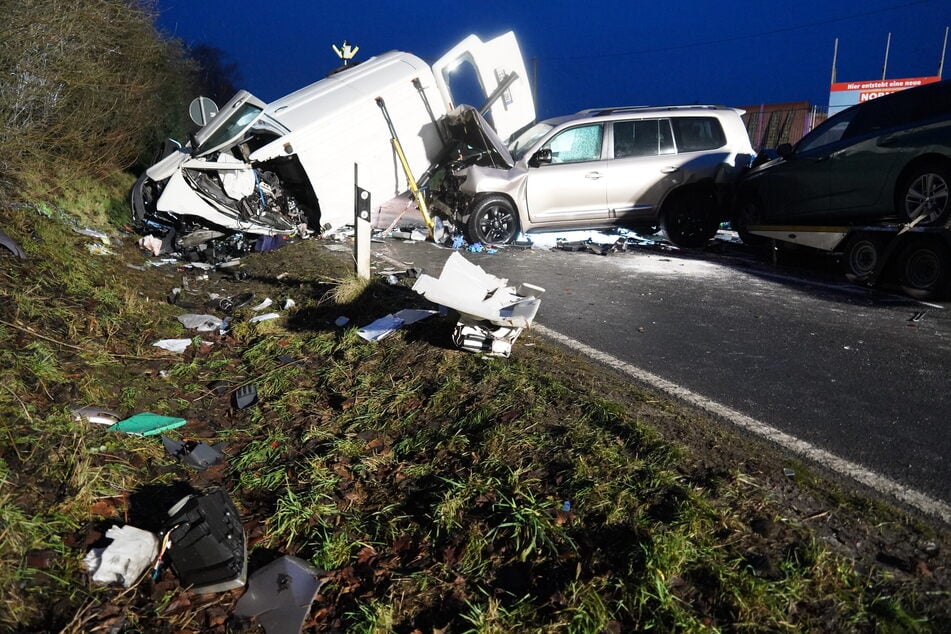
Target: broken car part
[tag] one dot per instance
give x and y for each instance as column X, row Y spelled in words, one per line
column 492, row 313
column 198, row 455
column 147, row 424
column 244, row 397
column 95, row 414
column 280, row 594
column 207, row 549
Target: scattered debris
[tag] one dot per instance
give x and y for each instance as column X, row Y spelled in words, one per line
column 202, row 323
column 147, row 424
column 265, row 303
column 244, row 397
column 207, row 548
column 95, row 414
column 918, row 316
column 341, row 321
column 280, row 594
column 492, row 313
column 173, row 345
column 198, row 455
column 384, row 326
column 131, row 552
column 264, row 317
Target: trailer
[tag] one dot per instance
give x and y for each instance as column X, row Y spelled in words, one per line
column 917, row 258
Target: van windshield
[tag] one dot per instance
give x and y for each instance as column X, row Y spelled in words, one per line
column 229, row 130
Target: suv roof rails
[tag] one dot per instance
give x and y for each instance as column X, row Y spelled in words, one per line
column 598, row 112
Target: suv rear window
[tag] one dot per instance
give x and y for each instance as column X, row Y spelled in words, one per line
column 694, row 134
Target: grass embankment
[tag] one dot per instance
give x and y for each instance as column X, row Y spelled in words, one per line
column 441, row 491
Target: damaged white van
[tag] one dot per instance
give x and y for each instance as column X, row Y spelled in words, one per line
column 271, row 168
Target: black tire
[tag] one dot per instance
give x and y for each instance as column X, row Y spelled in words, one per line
column 926, row 191
column 492, row 220
column 689, row 219
column 862, row 255
column 143, row 197
column 924, row 269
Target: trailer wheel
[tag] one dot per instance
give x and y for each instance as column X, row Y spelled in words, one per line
column 925, row 269
column 862, row 254
column 926, row 191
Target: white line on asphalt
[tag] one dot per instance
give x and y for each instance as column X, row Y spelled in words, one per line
column 876, row 481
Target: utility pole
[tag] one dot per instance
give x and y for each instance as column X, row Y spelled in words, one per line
column 888, row 44
column 835, row 56
column 944, row 48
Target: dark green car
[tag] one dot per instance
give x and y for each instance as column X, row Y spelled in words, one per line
column 885, row 159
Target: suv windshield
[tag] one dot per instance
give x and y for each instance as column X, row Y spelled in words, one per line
column 240, row 119
column 520, row 144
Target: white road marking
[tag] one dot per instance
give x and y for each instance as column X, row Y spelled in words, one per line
column 878, row 482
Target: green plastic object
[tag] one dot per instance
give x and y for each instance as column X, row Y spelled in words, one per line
column 147, row 424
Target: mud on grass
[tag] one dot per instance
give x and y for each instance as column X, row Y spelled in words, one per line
column 439, row 491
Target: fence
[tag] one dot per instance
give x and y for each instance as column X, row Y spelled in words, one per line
column 769, row 125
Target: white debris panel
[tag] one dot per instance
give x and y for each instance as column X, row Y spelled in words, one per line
column 492, row 312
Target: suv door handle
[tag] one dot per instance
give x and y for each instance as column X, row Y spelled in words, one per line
column 593, row 175
column 669, row 170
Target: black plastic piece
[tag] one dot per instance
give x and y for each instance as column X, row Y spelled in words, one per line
column 207, row 549
column 245, row 396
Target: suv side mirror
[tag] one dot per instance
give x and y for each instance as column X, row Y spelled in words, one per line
column 541, row 157
column 785, row 150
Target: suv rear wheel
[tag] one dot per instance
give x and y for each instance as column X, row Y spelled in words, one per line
column 689, row 218
column 492, row 220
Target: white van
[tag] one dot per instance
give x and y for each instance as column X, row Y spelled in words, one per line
column 268, row 168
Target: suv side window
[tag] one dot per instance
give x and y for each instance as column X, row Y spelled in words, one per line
column 575, row 145
column 643, row 137
column 694, row 134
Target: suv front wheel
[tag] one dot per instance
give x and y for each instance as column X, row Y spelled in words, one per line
column 689, row 219
column 492, row 220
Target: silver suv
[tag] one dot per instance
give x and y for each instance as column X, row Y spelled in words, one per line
column 665, row 167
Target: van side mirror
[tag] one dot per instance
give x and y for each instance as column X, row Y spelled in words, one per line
column 785, row 150
column 541, row 157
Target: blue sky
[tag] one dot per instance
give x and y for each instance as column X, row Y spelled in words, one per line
column 590, row 54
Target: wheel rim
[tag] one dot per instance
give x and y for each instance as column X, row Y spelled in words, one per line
column 496, row 224
column 863, row 257
column 927, row 196
column 922, row 269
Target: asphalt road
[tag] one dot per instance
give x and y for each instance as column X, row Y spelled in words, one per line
column 847, row 369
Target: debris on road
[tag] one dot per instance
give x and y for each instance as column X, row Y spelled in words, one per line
column 384, row 326
column 492, row 313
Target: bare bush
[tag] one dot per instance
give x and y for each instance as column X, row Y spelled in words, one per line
column 85, row 87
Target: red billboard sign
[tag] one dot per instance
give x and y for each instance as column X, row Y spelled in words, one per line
column 848, row 93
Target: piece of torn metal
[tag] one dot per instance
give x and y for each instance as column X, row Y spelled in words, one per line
column 385, row 326
column 280, row 594
column 244, row 397
column 95, row 414
column 173, row 345
column 131, row 552
column 207, row 546
column 147, row 424
column 201, row 323
column 491, row 310
column 195, row 454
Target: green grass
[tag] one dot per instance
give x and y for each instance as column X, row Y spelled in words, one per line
column 438, row 489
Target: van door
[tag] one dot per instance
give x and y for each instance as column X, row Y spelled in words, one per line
column 492, row 61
